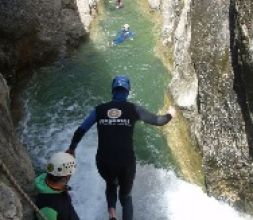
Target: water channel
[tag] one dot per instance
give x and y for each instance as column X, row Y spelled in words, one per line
column 58, row 97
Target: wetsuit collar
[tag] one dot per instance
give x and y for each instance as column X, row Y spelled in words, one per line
column 120, row 96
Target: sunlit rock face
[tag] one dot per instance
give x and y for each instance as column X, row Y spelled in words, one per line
column 210, row 48
column 176, row 35
column 35, row 32
column 222, row 104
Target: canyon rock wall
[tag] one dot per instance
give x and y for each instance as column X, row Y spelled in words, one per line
column 210, row 56
column 32, row 33
column 37, row 32
column 15, row 157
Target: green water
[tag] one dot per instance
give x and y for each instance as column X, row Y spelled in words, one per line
column 59, row 96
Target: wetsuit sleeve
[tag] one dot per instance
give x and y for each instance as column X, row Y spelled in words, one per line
column 150, row 118
column 82, row 129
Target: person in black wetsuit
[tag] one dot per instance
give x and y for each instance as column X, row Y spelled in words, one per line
column 115, row 157
column 53, row 199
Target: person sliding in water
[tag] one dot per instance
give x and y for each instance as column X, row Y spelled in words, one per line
column 115, row 159
column 123, row 35
column 53, row 199
column 119, row 4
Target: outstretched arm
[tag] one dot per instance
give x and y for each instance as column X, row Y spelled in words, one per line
column 154, row 119
column 81, row 130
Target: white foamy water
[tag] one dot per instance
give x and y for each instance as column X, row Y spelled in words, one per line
column 164, row 196
column 157, row 194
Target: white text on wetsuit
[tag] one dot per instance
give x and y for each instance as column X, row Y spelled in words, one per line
column 114, row 121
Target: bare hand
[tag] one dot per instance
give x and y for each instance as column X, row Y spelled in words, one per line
column 172, row 111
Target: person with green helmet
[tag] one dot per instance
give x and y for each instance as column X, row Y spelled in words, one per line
column 53, row 198
column 116, row 161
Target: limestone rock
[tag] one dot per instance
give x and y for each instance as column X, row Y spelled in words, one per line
column 154, row 4
column 12, row 153
column 210, row 44
column 10, row 206
column 34, row 32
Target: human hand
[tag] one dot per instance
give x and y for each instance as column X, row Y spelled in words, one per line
column 71, row 151
column 172, row 111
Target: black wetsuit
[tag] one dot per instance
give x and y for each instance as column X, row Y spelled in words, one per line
column 115, row 157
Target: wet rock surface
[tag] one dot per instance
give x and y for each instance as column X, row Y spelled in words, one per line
column 210, row 52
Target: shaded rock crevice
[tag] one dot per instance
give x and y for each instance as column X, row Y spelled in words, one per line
column 242, row 62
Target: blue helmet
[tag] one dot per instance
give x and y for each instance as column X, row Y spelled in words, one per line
column 121, row 81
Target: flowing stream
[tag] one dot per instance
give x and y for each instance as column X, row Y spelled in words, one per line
column 58, row 97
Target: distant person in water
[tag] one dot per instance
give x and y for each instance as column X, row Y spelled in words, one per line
column 123, row 35
column 116, row 161
column 53, row 198
column 119, row 4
